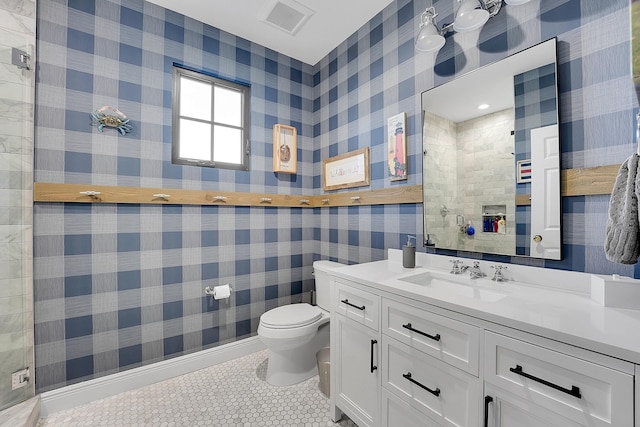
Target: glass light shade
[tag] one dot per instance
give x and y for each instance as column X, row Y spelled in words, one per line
column 470, row 16
column 429, row 40
column 516, row 2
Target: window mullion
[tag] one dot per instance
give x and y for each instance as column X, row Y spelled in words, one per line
column 213, row 126
column 226, row 125
column 193, row 119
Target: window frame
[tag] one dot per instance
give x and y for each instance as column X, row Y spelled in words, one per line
column 178, row 73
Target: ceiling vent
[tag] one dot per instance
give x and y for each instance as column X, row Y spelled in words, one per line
column 287, row 15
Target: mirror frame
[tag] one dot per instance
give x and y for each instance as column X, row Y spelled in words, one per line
column 547, row 241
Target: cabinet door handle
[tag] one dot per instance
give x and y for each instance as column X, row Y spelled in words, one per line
column 435, row 337
column 373, row 367
column 487, row 400
column 435, row 392
column 359, row 307
column 573, row 391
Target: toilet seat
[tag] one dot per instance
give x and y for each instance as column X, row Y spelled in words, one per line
column 291, row 316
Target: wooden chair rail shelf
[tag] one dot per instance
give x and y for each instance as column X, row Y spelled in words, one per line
column 582, row 182
column 575, row 182
column 88, row 193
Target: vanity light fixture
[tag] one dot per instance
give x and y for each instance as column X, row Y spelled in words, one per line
column 470, row 15
column 429, row 38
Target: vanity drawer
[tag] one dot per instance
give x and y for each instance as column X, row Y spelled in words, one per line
column 358, row 305
column 397, row 413
column 449, row 340
column 582, row 391
column 443, row 393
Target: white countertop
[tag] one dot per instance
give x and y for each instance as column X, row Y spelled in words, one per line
column 563, row 315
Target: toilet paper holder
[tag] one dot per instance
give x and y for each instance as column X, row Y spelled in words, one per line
column 209, row 290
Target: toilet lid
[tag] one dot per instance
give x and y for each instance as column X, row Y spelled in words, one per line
column 293, row 315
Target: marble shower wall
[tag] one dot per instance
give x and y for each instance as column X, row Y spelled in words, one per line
column 481, row 185
column 460, row 183
column 17, row 29
column 443, row 205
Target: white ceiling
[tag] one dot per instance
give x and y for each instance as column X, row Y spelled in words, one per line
column 332, row 22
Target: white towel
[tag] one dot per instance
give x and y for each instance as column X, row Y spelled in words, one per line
column 622, row 244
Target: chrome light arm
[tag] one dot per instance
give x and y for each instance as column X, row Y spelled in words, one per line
column 491, row 6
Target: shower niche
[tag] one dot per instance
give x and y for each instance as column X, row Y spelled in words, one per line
column 494, row 219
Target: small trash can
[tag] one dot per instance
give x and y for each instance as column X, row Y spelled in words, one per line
column 324, row 370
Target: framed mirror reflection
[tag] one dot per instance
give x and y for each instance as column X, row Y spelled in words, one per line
column 491, row 167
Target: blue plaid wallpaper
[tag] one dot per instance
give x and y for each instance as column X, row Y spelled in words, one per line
column 376, row 73
column 120, row 286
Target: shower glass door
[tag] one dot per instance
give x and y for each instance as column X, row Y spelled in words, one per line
column 16, row 206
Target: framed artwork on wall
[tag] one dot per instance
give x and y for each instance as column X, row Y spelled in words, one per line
column 284, row 149
column 523, row 171
column 397, row 147
column 346, row 170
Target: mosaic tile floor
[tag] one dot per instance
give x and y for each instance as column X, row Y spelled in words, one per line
column 232, row 394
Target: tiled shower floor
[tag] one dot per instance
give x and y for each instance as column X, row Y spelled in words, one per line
column 231, row 394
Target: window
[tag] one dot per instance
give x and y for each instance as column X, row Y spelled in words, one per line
column 210, row 121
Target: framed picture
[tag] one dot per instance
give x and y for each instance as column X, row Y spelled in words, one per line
column 346, row 170
column 523, row 171
column 397, row 147
column 285, row 151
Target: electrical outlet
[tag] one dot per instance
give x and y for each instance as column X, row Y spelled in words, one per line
column 19, row 378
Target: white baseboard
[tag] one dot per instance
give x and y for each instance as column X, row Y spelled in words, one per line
column 99, row 388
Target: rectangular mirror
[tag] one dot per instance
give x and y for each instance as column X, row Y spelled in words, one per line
column 491, row 167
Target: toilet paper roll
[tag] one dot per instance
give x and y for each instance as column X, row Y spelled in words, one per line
column 222, row 291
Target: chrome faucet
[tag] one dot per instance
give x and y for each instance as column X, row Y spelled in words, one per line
column 497, row 275
column 475, row 271
column 458, row 267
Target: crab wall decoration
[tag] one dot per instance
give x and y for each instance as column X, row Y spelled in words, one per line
column 117, row 119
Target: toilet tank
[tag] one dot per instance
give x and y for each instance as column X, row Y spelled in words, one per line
column 321, row 274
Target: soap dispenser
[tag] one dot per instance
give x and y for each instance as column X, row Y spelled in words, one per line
column 409, row 253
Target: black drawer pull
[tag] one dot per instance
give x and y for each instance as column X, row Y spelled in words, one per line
column 435, row 337
column 373, row 367
column 435, row 392
column 574, row 391
column 487, row 400
column 346, row 301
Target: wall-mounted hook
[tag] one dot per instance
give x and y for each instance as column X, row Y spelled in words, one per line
column 304, row 201
column 325, row 201
column 355, row 198
column 265, row 199
column 162, row 196
column 92, row 194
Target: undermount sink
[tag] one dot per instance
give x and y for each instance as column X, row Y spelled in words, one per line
column 459, row 285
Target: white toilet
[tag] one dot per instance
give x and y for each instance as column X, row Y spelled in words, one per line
column 294, row 333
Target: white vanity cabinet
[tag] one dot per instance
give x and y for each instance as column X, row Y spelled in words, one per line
column 355, row 344
column 430, row 362
column 505, row 409
column 400, row 360
column 564, row 386
column 397, row 364
column 396, row 412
